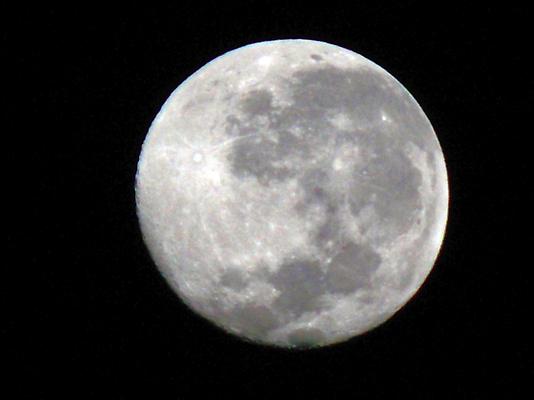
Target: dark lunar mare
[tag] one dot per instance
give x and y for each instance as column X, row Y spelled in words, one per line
column 302, row 282
column 387, row 177
column 387, row 180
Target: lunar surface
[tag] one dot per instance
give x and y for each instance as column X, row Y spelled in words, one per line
column 293, row 193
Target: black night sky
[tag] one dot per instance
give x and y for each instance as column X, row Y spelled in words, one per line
column 97, row 320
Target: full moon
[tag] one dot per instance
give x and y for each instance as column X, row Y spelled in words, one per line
column 293, row 193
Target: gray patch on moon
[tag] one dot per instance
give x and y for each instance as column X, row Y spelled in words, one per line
column 330, row 230
column 405, row 279
column 262, row 145
column 390, row 183
column 268, row 147
column 306, row 337
column 257, row 157
column 318, row 91
column 313, row 182
column 352, row 268
column 233, row 278
column 301, row 283
column 363, row 95
column 253, row 319
column 257, row 102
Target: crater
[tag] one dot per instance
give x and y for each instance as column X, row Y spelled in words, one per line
column 316, row 57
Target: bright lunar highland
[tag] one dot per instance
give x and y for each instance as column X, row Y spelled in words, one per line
column 293, row 193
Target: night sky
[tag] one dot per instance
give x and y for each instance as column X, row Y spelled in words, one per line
column 90, row 314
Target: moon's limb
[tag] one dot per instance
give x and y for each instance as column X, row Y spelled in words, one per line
column 293, row 192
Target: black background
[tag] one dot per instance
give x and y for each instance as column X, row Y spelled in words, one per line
column 101, row 322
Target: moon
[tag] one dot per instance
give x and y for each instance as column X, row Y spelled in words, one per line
column 293, row 193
